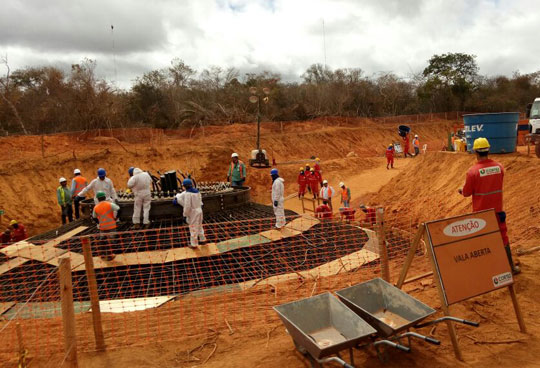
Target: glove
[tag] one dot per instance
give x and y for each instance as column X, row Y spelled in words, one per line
column 275, row 203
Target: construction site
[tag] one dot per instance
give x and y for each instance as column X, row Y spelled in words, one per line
column 164, row 304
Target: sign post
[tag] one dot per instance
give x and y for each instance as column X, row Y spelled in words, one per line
column 468, row 259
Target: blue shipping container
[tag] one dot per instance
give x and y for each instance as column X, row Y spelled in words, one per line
column 499, row 128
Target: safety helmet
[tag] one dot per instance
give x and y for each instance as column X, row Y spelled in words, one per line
column 307, row 165
column 341, row 184
column 325, row 181
column 130, row 170
column 274, row 172
column 13, row 222
column 481, row 145
column 62, row 180
column 101, row 194
column 234, row 155
column 76, row 171
column 101, row 172
column 312, row 170
column 301, row 169
column 187, row 182
column 317, row 159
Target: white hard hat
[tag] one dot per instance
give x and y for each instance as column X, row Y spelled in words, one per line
column 416, row 136
column 76, row 171
column 61, row 180
column 341, row 184
column 325, row 181
column 234, row 155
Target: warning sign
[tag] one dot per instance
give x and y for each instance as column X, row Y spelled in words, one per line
column 469, row 255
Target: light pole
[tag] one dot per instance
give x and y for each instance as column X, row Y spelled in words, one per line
column 255, row 98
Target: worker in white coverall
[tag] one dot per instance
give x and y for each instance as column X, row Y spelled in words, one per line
column 101, row 184
column 140, row 184
column 278, row 189
column 191, row 201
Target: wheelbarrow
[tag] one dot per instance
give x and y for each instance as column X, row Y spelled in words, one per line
column 391, row 311
column 321, row 326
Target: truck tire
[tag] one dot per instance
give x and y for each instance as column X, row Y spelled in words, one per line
column 537, row 149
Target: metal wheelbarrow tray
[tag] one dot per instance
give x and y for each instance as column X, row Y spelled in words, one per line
column 391, row 310
column 322, row 326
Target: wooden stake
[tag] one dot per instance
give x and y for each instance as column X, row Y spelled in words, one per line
column 410, row 255
column 517, row 309
column 418, row 277
column 22, row 349
column 68, row 312
column 383, row 251
column 94, row 297
column 444, row 307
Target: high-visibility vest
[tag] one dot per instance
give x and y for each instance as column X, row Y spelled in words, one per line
column 80, row 184
column 105, row 215
column 345, row 194
column 240, row 165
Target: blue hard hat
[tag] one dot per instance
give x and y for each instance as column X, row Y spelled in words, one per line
column 101, row 172
column 187, row 183
column 273, row 172
column 130, row 170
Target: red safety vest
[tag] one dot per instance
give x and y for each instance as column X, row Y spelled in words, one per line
column 485, row 183
column 105, row 215
column 80, row 184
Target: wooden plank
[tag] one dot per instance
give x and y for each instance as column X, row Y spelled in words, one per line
column 383, row 251
column 68, row 312
column 242, row 242
column 12, row 250
column 134, row 304
column 11, row 264
column 94, row 297
column 303, row 223
column 4, row 306
column 275, row 234
column 76, row 260
column 66, row 236
column 410, row 255
column 517, row 309
column 40, row 253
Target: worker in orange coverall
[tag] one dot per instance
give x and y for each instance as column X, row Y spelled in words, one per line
column 313, row 182
column 484, row 182
column 390, row 151
column 302, row 183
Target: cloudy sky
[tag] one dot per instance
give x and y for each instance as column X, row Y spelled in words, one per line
column 284, row 36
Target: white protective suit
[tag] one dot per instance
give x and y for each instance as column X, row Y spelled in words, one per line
column 278, row 189
column 192, row 205
column 106, row 185
column 140, row 184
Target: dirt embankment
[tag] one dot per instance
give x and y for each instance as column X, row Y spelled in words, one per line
column 427, row 190
column 28, row 181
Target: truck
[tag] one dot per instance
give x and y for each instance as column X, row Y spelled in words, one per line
column 533, row 114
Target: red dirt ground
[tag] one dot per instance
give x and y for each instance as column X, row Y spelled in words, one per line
column 425, row 187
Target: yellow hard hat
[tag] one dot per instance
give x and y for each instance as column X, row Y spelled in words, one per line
column 301, row 169
column 481, row 145
column 391, row 145
column 13, row 222
column 307, row 164
column 317, row 159
column 312, row 170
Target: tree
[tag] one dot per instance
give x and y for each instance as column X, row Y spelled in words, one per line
column 5, row 94
column 452, row 74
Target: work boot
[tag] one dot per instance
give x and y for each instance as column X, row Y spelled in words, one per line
column 136, row 226
column 515, row 269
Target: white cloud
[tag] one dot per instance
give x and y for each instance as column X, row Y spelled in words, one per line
column 283, row 35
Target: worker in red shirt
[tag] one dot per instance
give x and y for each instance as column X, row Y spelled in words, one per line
column 390, row 151
column 5, row 239
column 302, row 183
column 323, row 211
column 318, row 170
column 371, row 216
column 313, row 182
column 18, row 232
column 406, row 142
column 484, row 182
